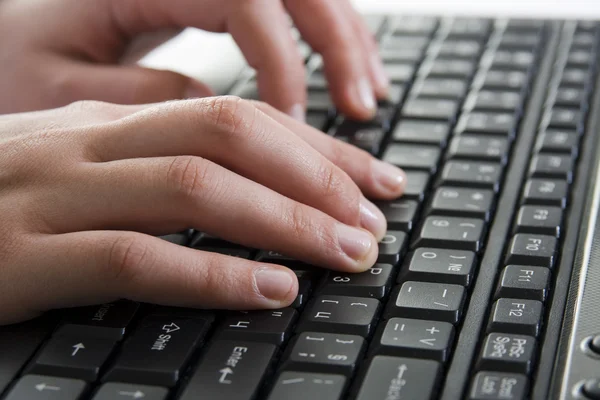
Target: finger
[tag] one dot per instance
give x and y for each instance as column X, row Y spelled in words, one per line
column 174, row 193
column 377, row 74
column 270, row 48
column 90, row 267
column 377, row 179
column 329, row 32
column 233, row 133
column 128, row 85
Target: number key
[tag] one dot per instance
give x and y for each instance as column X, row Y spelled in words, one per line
column 372, row 283
column 411, row 156
column 428, row 264
column 339, row 314
column 472, row 174
column 462, row 202
column 451, row 233
column 391, row 247
column 324, row 352
column 479, row 147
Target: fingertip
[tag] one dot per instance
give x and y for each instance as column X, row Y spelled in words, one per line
column 277, row 284
column 390, row 181
column 381, row 81
column 358, row 245
column 298, row 112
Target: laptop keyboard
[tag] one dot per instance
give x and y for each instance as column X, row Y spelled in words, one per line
column 488, row 119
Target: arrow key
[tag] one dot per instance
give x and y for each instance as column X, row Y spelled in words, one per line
column 127, row 391
column 73, row 357
column 39, row 387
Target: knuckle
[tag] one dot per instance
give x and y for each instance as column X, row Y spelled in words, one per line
column 301, row 223
column 128, row 255
column 232, row 116
column 337, row 187
column 188, row 175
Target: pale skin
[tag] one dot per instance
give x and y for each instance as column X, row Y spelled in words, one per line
column 86, row 187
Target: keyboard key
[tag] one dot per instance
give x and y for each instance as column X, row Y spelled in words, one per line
column 400, row 214
column 451, row 68
column 479, row 147
column 575, row 77
column 399, row 41
column 272, row 326
column 511, row 59
column 414, row 25
column 366, row 136
column 412, row 156
column 571, row 97
column 525, row 25
column 516, row 316
column 460, row 48
column 507, row 353
column 292, row 385
column 499, row 386
column 319, row 100
column 552, row 166
column 324, row 352
column 505, row 80
column 451, row 233
column 470, row 27
column 472, row 174
column 78, row 358
column 399, row 73
column 541, row 220
column 566, row 118
column 39, row 387
column 495, row 101
column 519, row 41
column 317, row 120
column 415, row 338
column 426, row 132
column 419, row 378
column 107, row 321
column 374, row 23
column 424, row 300
column 558, row 142
column 439, row 265
column 396, row 93
column 580, row 58
column 417, row 183
column 437, row 109
column 128, row 391
column 232, row 370
column 316, row 80
column 402, row 55
column 391, row 247
column 15, row 353
column 339, row 314
column 373, row 283
column 502, row 124
column 536, row 250
column 305, row 287
column 549, row 192
column 158, row 351
column 440, row 88
column 460, row 202
column 523, row 282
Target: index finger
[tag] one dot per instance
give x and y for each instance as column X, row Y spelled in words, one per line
column 262, row 31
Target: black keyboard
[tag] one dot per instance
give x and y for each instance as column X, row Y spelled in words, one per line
column 490, row 119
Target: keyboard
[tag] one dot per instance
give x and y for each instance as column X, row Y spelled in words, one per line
column 472, row 295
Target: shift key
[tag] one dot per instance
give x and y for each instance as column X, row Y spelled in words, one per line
column 232, row 370
column 158, row 351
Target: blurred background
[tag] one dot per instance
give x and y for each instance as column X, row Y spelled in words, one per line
column 204, row 55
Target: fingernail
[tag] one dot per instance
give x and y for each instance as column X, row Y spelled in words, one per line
column 381, row 77
column 390, row 178
column 297, row 112
column 273, row 283
column 365, row 94
column 356, row 243
column 372, row 219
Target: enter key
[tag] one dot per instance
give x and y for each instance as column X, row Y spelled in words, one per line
column 232, row 370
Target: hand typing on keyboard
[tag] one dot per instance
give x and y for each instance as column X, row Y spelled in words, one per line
column 75, row 180
column 59, row 51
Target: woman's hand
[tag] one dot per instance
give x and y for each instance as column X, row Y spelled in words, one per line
column 54, row 52
column 85, row 187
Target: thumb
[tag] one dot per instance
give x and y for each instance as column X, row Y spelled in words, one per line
column 132, row 85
